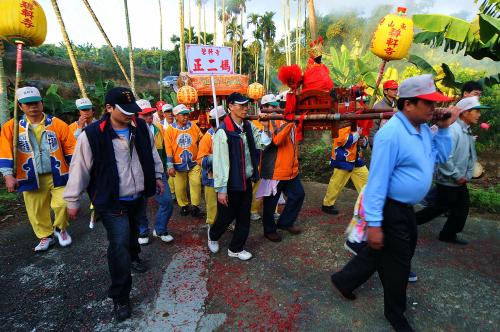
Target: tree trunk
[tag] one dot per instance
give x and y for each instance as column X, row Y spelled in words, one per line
column 130, row 49
column 223, row 22
column 199, row 22
column 161, row 51
column 113, row 51
column 284, row 30
column 288, row 32
column 190, row 34
column 4, row 104
column 312, row 19
column 241, row 40
column 204, row 25
column 181, row 36
column 298, row 34
column 69, row 49
column 215, row 23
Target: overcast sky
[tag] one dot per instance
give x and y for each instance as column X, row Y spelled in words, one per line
column 144, row 17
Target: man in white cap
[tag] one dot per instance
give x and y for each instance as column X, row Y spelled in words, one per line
column 45, row 147
column 453, row 175
column 86, row 109
column 399, row 178
column 168, row 116
column 181, row 144
column 205, row 158
column 164, row 200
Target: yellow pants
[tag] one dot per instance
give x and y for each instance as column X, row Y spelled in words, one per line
column 358, row 176
column 211, row 203
column 181, row 182
column 38, row 204
column 171, row 184
column 256, row 203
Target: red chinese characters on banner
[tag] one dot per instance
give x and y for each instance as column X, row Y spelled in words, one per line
column 205, row 59
column 392, row 42
column 27, row 8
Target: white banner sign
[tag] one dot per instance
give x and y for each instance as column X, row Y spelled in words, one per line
column 209, row 60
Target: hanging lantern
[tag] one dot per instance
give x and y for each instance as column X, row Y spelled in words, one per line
column 255, row 91
column 23, row 21
column 393, row 37
column 187, row 95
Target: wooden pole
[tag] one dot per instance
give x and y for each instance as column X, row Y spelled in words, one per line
column 4, row 104
column 161, row 51
column 181, row 36
column 113, row 51
column 325, row 117
column 19, row 67
column 69, row 49
column 130, row 50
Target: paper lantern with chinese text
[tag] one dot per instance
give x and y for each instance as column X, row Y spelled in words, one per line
column 255, row 91
column 393, row 37
column 187, row 95
column 23, row 21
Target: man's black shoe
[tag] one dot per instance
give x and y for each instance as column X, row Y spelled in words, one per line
column 453, row 240
column 329, row 209
column 347, row 295
column 184, row 210
column 122, row 311
column 196, row 212
column 138, row 266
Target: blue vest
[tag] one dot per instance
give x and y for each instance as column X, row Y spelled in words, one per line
column 237, row 177
column 104, row 185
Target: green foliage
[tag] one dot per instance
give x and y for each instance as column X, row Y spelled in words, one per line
column 6, row 196
column 54, row 104
column 488, row 200
column 478, row 39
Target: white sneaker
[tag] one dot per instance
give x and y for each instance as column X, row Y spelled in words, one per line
column 213, row 246
column 255, row 217
column 243, row 255
column 63, row 237
column 164, row 237
column 44, row 244
column 143, row 240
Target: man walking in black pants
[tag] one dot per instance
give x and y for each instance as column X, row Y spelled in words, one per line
column 452, row 176
column 235, row 167
column 116, row 161
column 388, row 202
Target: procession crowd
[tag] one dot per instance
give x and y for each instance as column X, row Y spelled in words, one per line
column 136, row 152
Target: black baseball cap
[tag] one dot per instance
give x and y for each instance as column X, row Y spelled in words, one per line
column 237, row 98
column 123, row 99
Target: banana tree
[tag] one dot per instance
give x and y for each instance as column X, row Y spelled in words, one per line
column 479, row 38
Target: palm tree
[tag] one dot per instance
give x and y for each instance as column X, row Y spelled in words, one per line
column 181, row 35
column 269, row 33
column 253, row 19
column 69, row 49
column 4, row 109
column 312, row 19
column 111, row 47
column 130, row 49
column 234, row 32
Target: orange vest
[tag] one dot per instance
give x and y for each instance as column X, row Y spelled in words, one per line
column 181, row 145
column 61, row 144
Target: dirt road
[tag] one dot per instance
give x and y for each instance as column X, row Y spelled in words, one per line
column 284, row 287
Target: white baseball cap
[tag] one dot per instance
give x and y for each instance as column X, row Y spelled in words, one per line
column 421, row 87
column 145, row 106
column 83, row 104
column 167, row 108
column 470, row 103
column 217, row 112
column 28, row 94
column 269, row 100
column 181, row 109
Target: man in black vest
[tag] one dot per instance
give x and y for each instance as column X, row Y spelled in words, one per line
column 117, row 162
column 235, row 166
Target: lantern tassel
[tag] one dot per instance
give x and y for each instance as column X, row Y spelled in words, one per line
column 379, row 79
column 19, row 67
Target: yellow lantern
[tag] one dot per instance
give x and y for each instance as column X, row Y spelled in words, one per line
column 393, row 37
column 187, row 95
column 255, row 91
column 23, row 21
